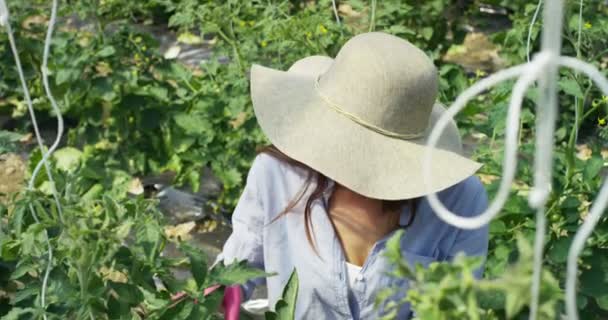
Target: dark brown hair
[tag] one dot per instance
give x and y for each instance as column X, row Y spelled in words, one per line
column 393, row 206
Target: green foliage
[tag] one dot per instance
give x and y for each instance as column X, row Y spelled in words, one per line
column 285, row 308
column 106, row 257
column 579, row 170
column 449, row 290
column 8, row 141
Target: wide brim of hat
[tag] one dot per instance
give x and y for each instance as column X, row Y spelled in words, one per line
column 300, row 124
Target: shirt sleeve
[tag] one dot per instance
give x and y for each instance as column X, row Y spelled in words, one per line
column 473, row 242
column 246, row 240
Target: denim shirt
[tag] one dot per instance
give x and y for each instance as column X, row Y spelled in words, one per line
column 324, row 293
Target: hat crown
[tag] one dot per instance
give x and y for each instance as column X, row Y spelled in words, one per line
column 384, row 81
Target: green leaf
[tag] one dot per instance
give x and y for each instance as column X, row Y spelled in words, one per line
column 194, row 179
column 269, row 315
column 427, row 33
column 159, row 93
column 198, row 265
column 198, row 312
column 497, row 226
column 194, row 124
column 67, row 159
column 559, row 252
column 286, row 307
column 570, row 203
column 571, row 87
column 17, row 219
column 9, row 136
column 602, row 301
column 65, row 75
column 213, row 301
column 180, row 311
column 26, row 293
column 560, row 133
column 106, row 52
column 234, row 273
column 593, row 167
column 18, row 313
column 123, row 230
column 393, row 247
column 35, row 158
column 93, row 193
column 127, row 293
column 22, row 268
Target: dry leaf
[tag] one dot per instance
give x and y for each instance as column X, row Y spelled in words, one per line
column 27, row 138
column 479, row 136
column 135, row 187
column 348, row 11
column 584, row 152
column 33, row 20
column 189, row 38
column 583, row 208
column 112, row 275
column 487, row 178
column 207, row 226
column 103, row 69
column 172, row 52
column 239, row 120
column 180, row 231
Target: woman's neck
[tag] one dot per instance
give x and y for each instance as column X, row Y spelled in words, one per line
column 344, row 198
column 359, row 222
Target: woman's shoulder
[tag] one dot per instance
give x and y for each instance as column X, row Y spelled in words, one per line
column 274, row 179
column 466, row 198
column 471, row 185
column 267, row 168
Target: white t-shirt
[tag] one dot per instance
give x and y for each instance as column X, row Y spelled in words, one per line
column 351, row 273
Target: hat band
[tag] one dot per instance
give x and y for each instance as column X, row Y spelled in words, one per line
column 362, row 122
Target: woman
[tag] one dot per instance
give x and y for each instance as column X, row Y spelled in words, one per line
column 344, row 173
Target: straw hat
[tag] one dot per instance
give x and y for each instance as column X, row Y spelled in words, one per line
column 362, row 119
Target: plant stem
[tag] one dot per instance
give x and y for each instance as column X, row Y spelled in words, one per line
column 237, row 53
column 372, row 19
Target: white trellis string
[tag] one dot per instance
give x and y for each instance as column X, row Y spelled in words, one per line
column 335, row 8
column 509, row 161
column 49, row 94
column 599, row 205
column 45, row 157
column 546, row 114
column 3, row 14
column 4, row 21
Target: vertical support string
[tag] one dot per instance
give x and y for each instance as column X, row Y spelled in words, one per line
column 546, row 115
column 28, row 100
column 49, row 94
